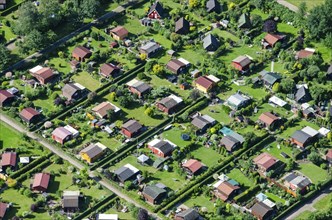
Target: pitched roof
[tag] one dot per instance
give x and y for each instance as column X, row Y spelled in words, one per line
column 41, row 180
column 158, row 7
column 150, row 47
column 213, row 5
column 69, row 90
column 29, row 113
column 8, row 159
column 189, row 214
column 242, row 60
column 175, row 64
column 61, row 133
column 271, row 39
column 329, row 153
column 132, row 126
column 81, row 51
column 168, row 102
column 120, row 31
column 229, row 142
column 4, row 95
column 44, row 73
column 310, row 131
column 210, row 40
column 307, row 52
column 300, row 93
column 237, row 99
column 92, row 150
column 271, row 77
column 193, row 165
column 300, row 182
column 300, row 136
column 3, row 209
column 182, row 26
column 227, row 189
column 139, row 85
column 108, row 69
column 200, row 122
column 126, row 172
column 103, row 108
column 265, row 160
column 268, row 118
column 70, row 199
column 244, row 21
column 260, row 209
column 153, row 191
column 164, row 147
column 204, row 82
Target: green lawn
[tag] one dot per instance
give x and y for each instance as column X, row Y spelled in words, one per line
column 208, row 156
column 324, row 202
column 174, row 135
column 86, row 80
column 274, row 151
column 121, row 215
column 201, row 201
column 282, row 112
column 310, row 3
column 313, row 172
column 8, row 34
column 225, row 34
column 304, row 215
column 297, row 126
column 171, row 179
column 275, row 198
column 60, row 64
column 220, row 115
column 239, row 177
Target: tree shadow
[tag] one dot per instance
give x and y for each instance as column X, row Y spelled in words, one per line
column 54, row 186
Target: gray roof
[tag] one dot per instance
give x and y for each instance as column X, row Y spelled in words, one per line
column 210, row 39
column 132, row 126
column 200, row 122
column 182, row 26
column 244, row 21
column 242, row 60
column 300, row 136
column 329, row 70
column 141, row 86
column 70, row 201
column 300, row 182
column 69, row 90
column 164, row 147
column 189, row 214
column 92, row 150
column 213, row 5
column 153, row 191
column 261, row 209
column 301, row 93
column 158, row 7
column 124, row 173
column 150, row 47
column 271, row 78
column 168, row 102
column 237, row 99
column 229, row 142
column 290, row 177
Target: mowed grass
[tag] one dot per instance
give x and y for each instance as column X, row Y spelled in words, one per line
column 282, row 112
column 239, row 177
column 200, row 201
column 174, row 135
column 310, row 3
column 274, row 151
column 207, row 156
column 171, row 179
column 275, row 198
column 86, row 80
column 216, row 112
column 297, row 126
column 321, row 205
column 313, row 172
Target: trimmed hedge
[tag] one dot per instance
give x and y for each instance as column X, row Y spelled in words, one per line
column 34, row 170
column 248, row 193
column 30, row 166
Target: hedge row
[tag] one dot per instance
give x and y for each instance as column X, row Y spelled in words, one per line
column 248, row 193
column 95, row 207
column 34, row 170
column 207, row 176
column 30, row 166
column 12, row 8
column 200, row 104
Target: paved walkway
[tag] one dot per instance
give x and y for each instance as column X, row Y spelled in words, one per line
column 309, row 205
column 288, row 5
column 71, row 160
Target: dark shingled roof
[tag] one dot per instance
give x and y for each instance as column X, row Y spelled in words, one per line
column 158, row 7
column 271, row 78
column 81, row 51
column 301, row 93
column 168, row 102
column 164, row 147
column 182, row 26
column 229, row 142
column 210, row 40
column 153, row 191
column 141, row 87
column 199, row 122
column 244, row 21
column 29, row 113
column 174, row 65
column 124, row 173
column 260, row 209
column 300, row 136
column 213, row 5
column 204, row 82
column 189, row 214
column 70, row 201
column 69, row 90
column 92, row 150
column 132, row 126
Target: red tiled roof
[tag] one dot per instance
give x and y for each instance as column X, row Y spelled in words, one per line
column 120, row 31
column 29, row 113
column 329, row 153
column 193, row 165
column 81, row 51
column 304, row 54
column 45, row 73
column 204, row 82
column 3, row 209
column 41, row 180
column 4, row 95
column 268, row 118
column 265, row 160
column 271, row 39
column 8, row 159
